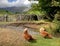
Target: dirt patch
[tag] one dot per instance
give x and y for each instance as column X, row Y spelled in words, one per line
column 10, row 37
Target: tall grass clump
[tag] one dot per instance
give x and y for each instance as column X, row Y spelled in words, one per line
column 52, row 27
column 57, row 23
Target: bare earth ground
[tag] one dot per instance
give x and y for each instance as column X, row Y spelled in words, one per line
column 9, row 37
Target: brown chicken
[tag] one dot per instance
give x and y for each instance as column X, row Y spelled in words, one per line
column 44, row 33
column 26, row 35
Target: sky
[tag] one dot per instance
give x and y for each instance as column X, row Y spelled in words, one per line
column 15, row 3
column 12, row 0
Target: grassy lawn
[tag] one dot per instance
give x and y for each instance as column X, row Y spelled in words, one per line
column 9, row 37
column 45, row 42
column 40, row 41
column 51, row 28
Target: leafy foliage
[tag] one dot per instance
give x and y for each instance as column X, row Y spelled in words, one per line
column 47, row 7
column 50, row 6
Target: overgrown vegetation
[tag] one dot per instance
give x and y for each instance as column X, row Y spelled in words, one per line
column 47, row 7
column 50, row 12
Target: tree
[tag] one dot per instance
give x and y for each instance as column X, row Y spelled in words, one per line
column 34, row 9
column 50, row 7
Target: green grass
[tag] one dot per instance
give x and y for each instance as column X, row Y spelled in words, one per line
column 5, row 12
column 14, row 39
column 36, row 22
column 45, row 42
column 51, row 27
column 40, row 41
